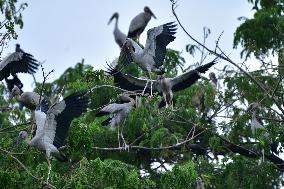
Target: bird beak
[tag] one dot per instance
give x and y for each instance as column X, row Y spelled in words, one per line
column 153, row 14
column 113, row 16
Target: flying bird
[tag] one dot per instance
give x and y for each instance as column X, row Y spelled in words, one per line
column 119, row 36
column 117, row 115
column 139, row 23
column 164, row 86
column 53, row 124
column 151, row 58
column 17, row 62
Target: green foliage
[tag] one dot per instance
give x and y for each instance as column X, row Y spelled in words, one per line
column 183, row 176
column 264, row 32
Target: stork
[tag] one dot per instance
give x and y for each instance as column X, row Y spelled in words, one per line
column 164, row 86
column 151, row 58
column 256, row 125
column 139, row 23
column 118, row 114
column 53, row 124
column 17, row 62
column 28, row 99
column 119, row 36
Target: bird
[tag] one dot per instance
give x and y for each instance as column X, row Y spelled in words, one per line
column 118, row 113
column 139, row 23
column 151, row 58
column 199, row 183
column 53, row 124
column 28, row 99
column 119, row 36
column 213, row 80
column 164, row 86
column 18, row 62
column 256, row 125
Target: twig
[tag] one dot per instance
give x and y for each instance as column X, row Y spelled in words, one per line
column 228, row 60
column 25, row 168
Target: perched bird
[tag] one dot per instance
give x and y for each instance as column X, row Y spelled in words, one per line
column 213, row 79
column 28, row 99
column 164, row 86
column 119, row 36
column 18, row 62
column 151, row 58
column 199, row 183
column 197, row 100
column 256, row 125
column 53, row 125
column 139, row 23
column 118, row 114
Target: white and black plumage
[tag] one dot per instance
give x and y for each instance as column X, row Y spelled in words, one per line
column 199, row 183
column 117, row 114
column 15, row 81
column 151, row 58
column 164, row 86
column 18, row 62
column 139, row 23
column 53, row 124
column 119, row 36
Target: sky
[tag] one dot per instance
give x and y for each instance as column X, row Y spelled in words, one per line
column 62, row 33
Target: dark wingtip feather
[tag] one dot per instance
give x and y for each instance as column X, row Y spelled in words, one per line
column 101, row 113
column 106, row 122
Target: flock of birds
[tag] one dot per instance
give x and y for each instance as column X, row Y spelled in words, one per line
column 52, row 122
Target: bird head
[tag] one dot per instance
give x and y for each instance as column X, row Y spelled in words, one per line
column 129, row 45
column 115, row 15
column 148, row 10
column 253, row 107
column 23, row 135
column 16, row 91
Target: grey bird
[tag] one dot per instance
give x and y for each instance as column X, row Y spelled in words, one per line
column 151, row 58
column 53, row 124
column 164, row 86
column 256, row 125
column 119, row 36
column 17, row 62
column 28, row 99
column 117, row 115
column 139, row 23
column 199, row 183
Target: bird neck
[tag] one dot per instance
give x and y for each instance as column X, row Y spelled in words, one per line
column 18, row 98
column 116, row 22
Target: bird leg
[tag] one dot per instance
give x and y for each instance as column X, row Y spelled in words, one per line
column 49, row 169
column 145, row 87
column 125, row 146
column 118, row 137
column 151, row 85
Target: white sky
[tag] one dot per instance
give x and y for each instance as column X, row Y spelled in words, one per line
column 63, row 32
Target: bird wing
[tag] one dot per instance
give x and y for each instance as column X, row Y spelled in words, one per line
column 17, row 62
column 188, row 78
column 40, row 116
column 110, row 109
column 157, row 40
column 125, row 56
column 129, row 82
column 60, row 116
